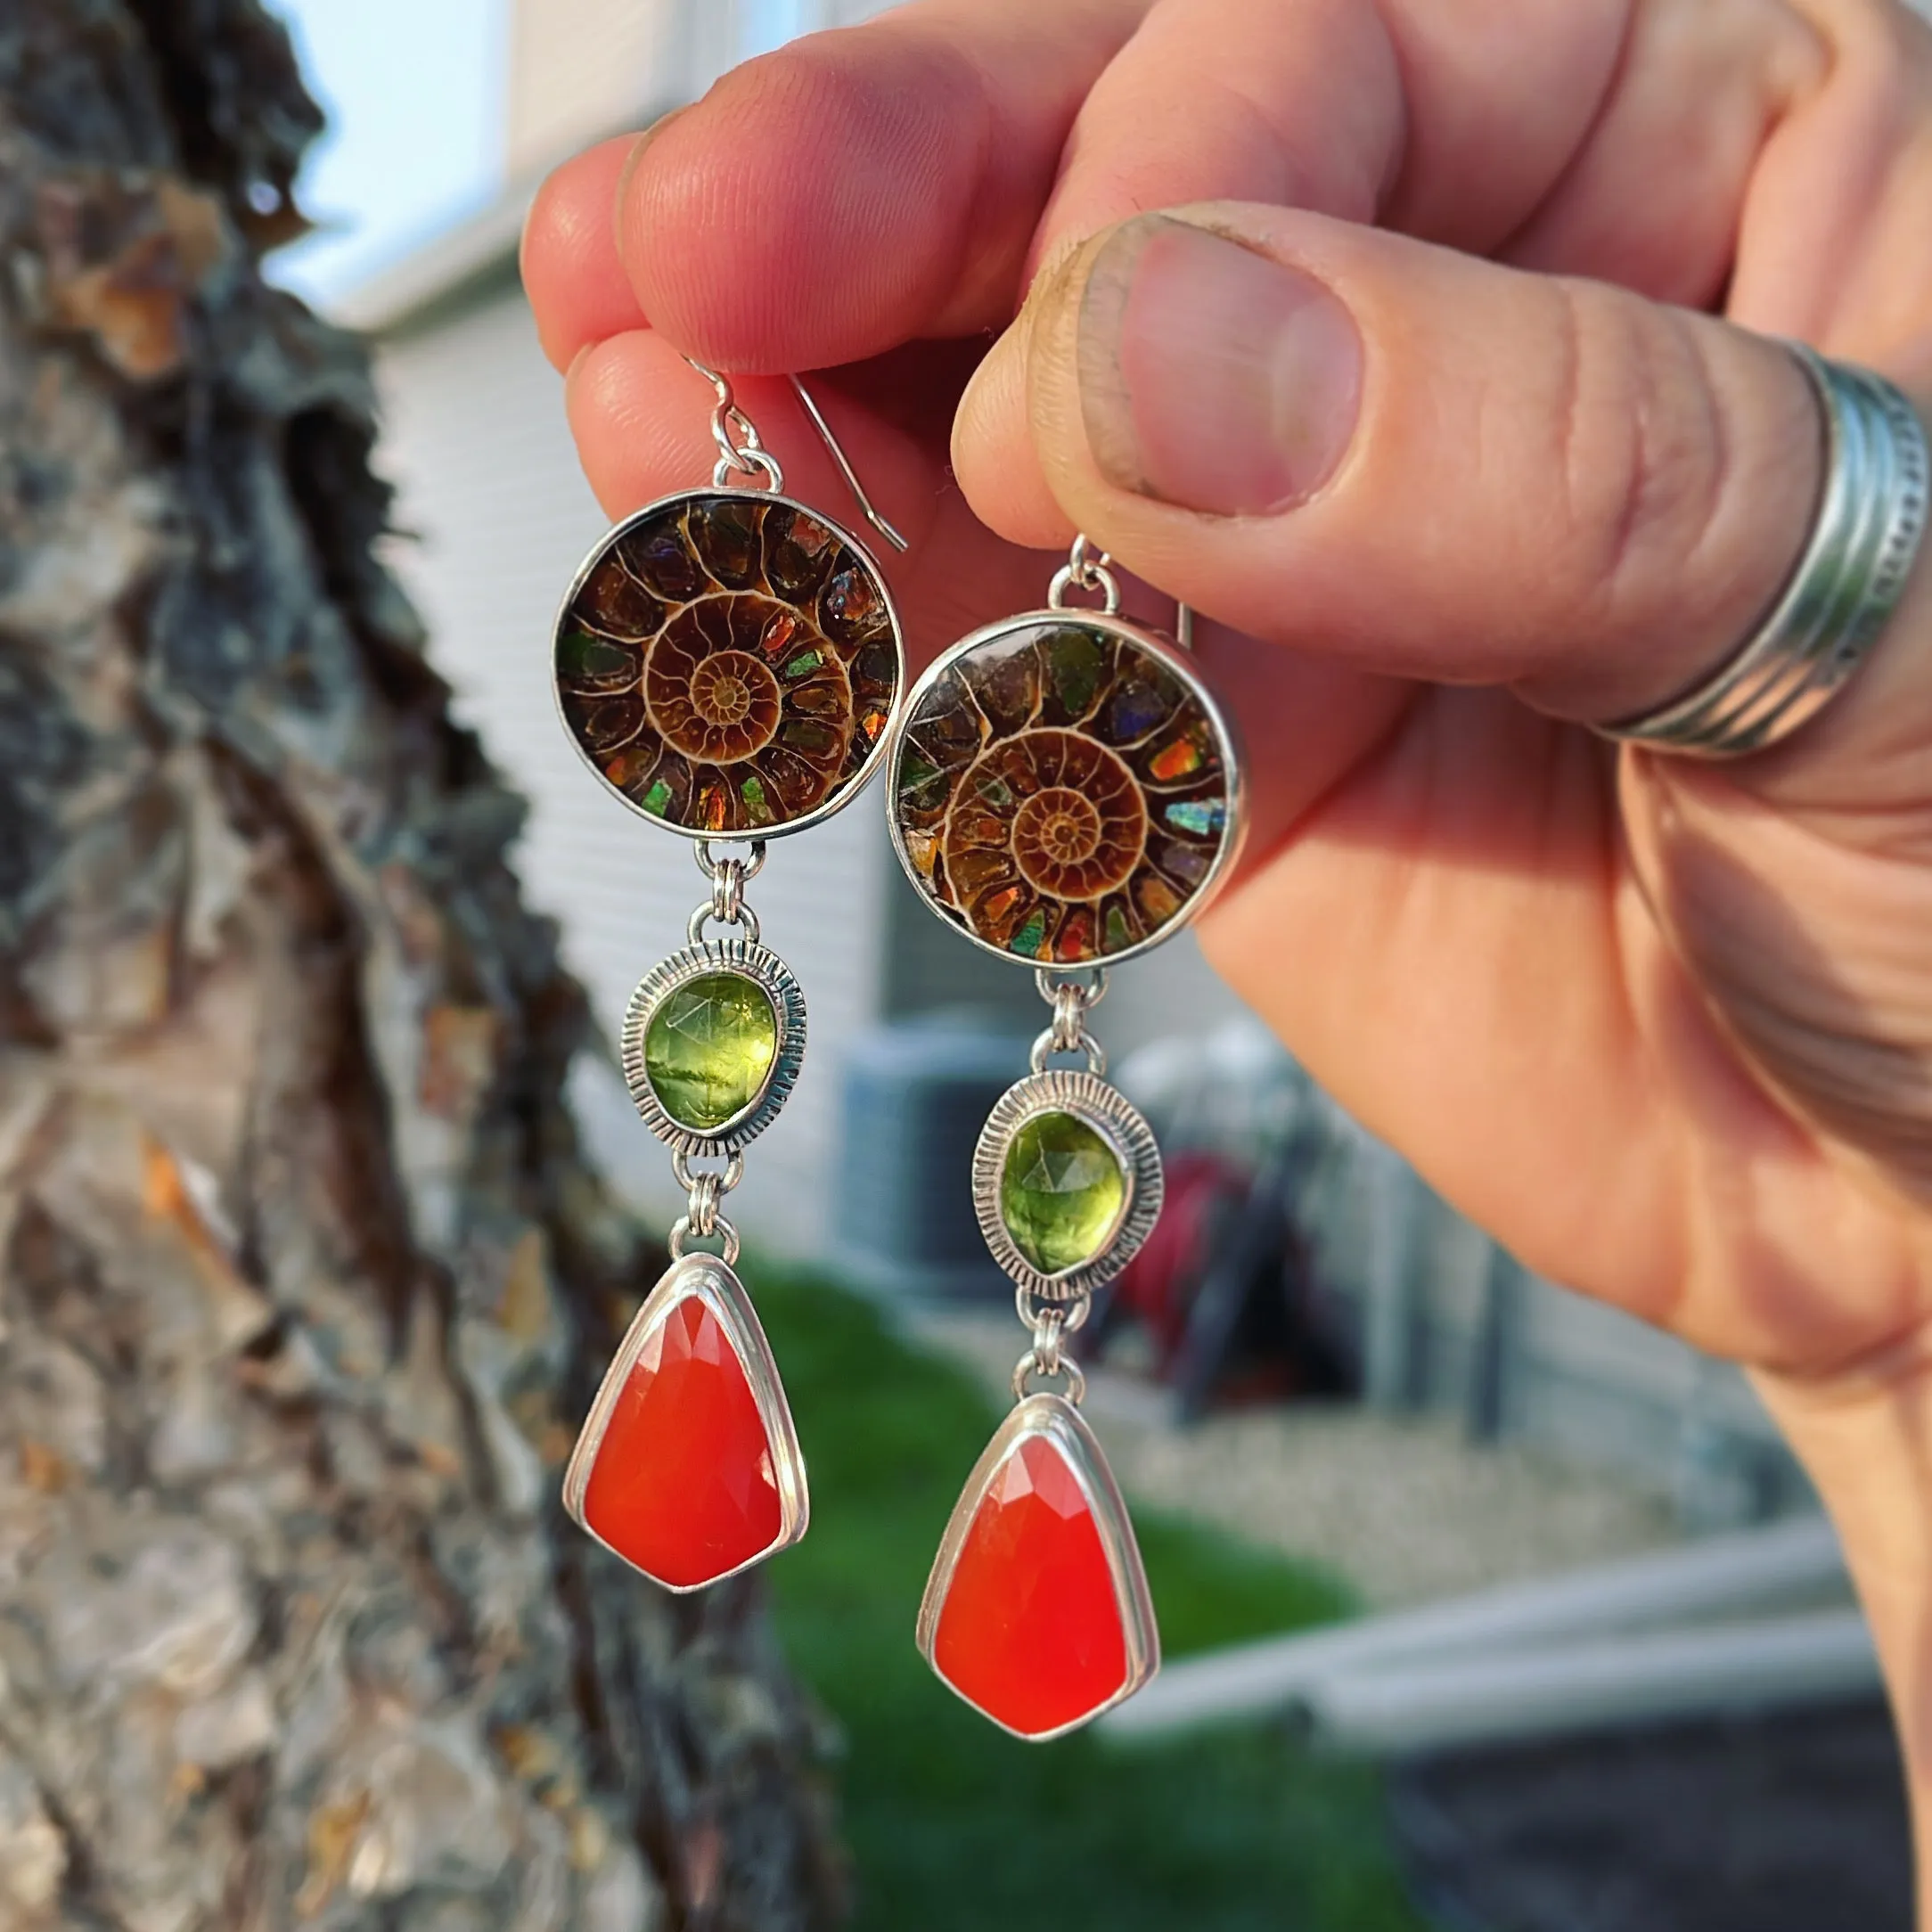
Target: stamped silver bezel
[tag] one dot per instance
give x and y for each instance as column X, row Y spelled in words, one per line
column 767, row 971
column 1057, row 1420
column 718, row 1286
column 1118, row 1122
column 1183, row 664
column 874, row 759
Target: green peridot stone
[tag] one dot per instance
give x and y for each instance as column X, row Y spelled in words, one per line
column 709, row 1047
column 1061, row 1191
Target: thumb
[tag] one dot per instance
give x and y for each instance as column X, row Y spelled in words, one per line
column 1402, row 458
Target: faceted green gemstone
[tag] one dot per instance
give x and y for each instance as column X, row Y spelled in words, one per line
column 709, row 1047
column 1061, row 1191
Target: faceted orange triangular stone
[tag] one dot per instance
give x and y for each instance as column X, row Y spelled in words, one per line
column 1033, row 1628
column 684, row 1481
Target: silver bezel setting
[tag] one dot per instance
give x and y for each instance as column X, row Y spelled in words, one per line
column 1055, row 1418
column 770, row 974
column 1096, row 1104
column 718, row 1286
column 1183, row 667
column 874, row 759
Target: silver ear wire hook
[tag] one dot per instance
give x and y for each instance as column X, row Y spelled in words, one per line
column 741, row 447
column 846, row 470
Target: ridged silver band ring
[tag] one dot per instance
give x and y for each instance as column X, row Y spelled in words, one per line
column 1870, row 520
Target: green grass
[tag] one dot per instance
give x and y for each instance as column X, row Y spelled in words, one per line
column 956, row 1827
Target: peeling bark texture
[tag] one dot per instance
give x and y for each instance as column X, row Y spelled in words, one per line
column 305, row 1278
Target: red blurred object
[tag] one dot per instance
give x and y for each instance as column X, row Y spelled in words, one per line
column 1158, row 1287
column 1225, row 1289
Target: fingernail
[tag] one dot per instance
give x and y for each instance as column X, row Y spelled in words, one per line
column 1210, row 376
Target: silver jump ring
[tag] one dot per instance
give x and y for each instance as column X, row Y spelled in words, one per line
column 1072, row 1000
column 729, row 876
column 727, row 1177
column 1070, row 1019
column 709, row 861
column 1086, row 569
column 1046, row 1338
column 1092, row 991
column 1046, row 1047
column 728, row 892
column 682, row 1232
column 1072, row 1313
column 702, row 1213
column 1870, row 523
column 1029, row 1365
column 747, row 462
column 745, row 920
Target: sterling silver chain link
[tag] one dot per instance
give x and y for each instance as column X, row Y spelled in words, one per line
column 1072, row 1000
column 729, row 875
column 1051, row 1322
column 705, row 1187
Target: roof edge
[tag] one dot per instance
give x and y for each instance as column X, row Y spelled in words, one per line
column 475, row 251
column 478, row 250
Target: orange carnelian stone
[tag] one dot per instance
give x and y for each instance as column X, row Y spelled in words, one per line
column 683, row 1484
column 1030, row 1630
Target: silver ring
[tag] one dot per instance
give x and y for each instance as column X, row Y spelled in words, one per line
column 1871, row 518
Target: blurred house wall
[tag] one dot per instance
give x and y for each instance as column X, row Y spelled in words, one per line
column 583, row 67
column 1442, row 1320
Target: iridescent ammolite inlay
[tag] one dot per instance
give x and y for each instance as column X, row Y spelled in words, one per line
column 728, row 664
column 1061, row 791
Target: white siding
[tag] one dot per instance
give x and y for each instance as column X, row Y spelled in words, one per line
column 475, row 439
column 579, row 69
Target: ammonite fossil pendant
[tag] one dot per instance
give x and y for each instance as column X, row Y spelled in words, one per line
column 1064, row 788
column 727, row 662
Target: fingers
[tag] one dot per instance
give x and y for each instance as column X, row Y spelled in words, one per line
column 1223, row 99
column 1452, row 118
column 577, row 288
column 859, row 189
column 1408, row 460
column 1652, row 200
column 862, row 188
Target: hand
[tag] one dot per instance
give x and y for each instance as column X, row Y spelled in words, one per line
column 1420, row 391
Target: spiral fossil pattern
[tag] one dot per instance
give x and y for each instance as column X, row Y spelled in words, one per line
column 1063, row 792
column 728, row 663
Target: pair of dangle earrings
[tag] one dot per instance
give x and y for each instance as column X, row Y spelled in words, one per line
column 1064, row 792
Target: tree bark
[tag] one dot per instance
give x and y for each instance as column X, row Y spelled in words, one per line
column 304, row 1277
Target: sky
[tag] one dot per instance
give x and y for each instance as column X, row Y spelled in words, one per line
column 413, row 90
